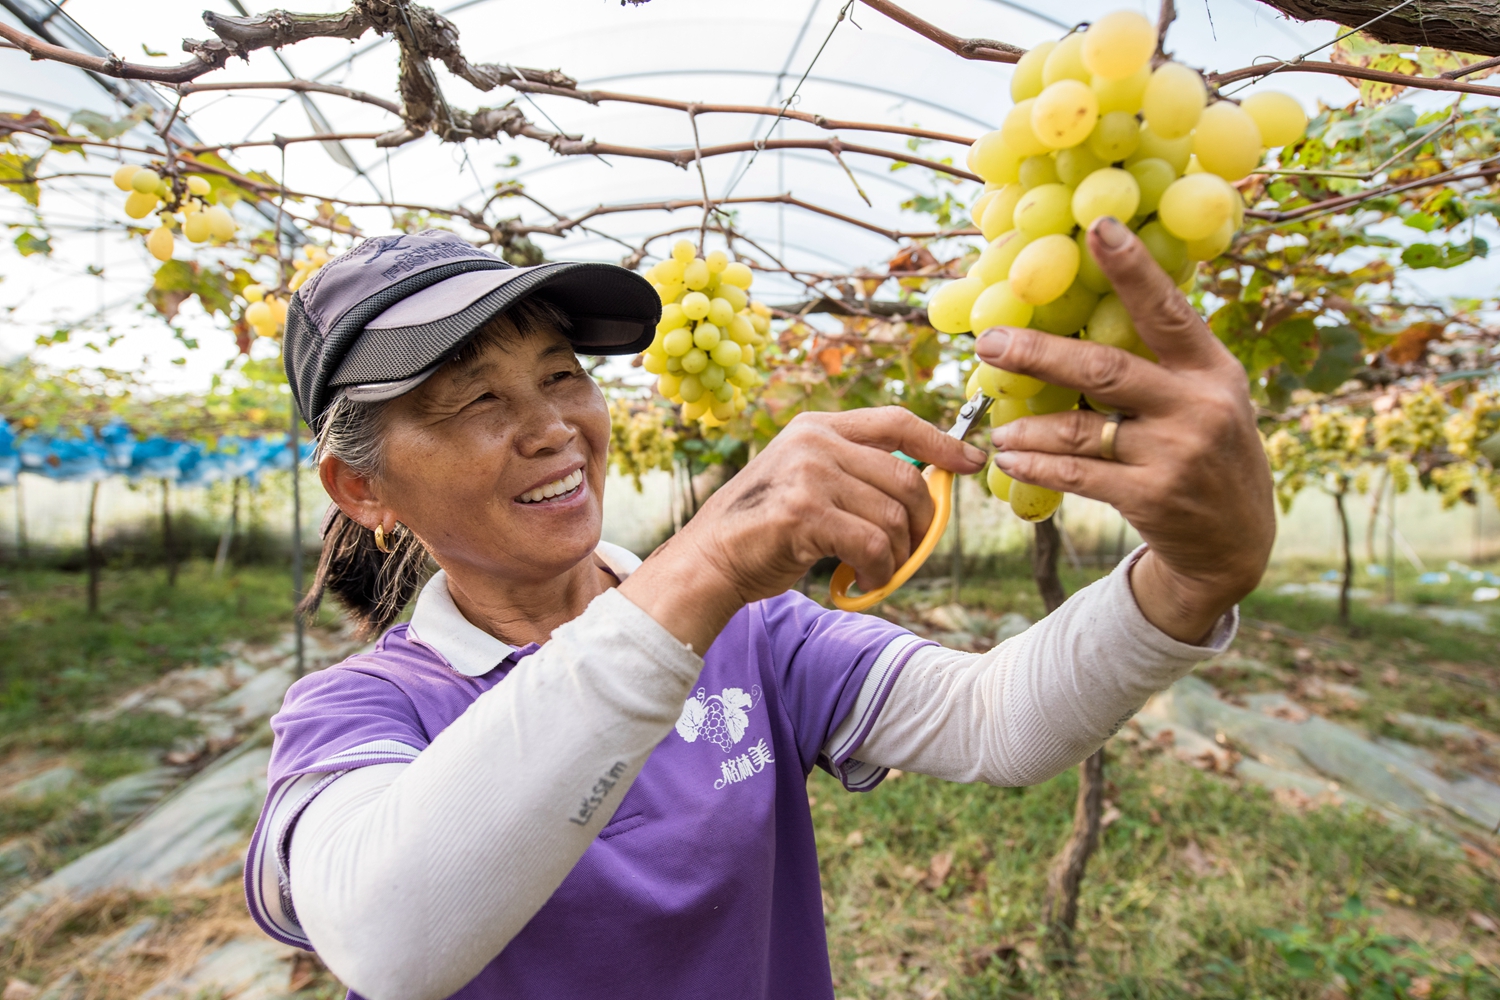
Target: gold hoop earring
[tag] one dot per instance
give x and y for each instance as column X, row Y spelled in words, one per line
column 380, row 542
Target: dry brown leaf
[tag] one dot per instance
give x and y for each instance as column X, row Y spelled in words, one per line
column 1198, row 862
column 938, row 869
column 855, row 839
column 1484, row 922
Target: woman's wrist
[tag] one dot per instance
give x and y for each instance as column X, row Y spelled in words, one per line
column 1184, row 608
column 684, row 593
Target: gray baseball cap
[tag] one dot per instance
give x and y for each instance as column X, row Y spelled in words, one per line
column 377, row 320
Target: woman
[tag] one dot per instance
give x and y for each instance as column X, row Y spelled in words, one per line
column 575, row 774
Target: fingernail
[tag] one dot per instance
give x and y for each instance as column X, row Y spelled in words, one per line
column 1112, row 232
column 1004, row 460
column 973, row 454
column 993, row 343
column 1000, row 435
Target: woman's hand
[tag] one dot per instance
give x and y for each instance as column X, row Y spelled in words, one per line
column 828, row 485
column 1190, row 473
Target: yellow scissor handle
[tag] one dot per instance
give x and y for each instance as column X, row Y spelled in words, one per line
column 940, row 485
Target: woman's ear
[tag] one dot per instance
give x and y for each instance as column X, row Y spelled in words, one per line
column 353, row 494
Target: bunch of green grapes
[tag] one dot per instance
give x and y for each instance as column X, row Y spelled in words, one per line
column 710, row 335
column 266, row 311
column 640, row 442
column 199, row 220
column 1097, row 131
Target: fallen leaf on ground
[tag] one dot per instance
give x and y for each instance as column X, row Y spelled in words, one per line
column 1200, row 863
column 938, row 869
column 1484, row 922
column 855, row 839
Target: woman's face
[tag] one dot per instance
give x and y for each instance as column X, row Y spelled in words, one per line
column 497, row 462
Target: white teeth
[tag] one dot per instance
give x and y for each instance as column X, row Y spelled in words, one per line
column 557, row 487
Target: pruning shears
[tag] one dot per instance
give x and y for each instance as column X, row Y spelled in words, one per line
column 940, row 486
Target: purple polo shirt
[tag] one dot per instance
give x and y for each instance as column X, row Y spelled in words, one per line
column 705, row 881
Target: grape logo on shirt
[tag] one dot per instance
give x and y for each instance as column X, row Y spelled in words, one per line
column 720, row 718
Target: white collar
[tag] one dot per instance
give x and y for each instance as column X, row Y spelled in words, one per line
column 473, row 652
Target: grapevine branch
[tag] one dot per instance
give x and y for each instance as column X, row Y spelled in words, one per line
column 1484, row 170
column 1459, row 25
column 986, row 49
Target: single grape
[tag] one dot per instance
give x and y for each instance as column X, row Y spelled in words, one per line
column 259, row 314
column 1173, row 101
column 997, row 383
column 677, row 342
column 674, row 365
column 669, row 385
column 738, row 275
column 1038, row 170
column 220, row 222
column 725, row 392
column 993, row 160
column 670, row 293
column 672, row 317
column 1227, row 141
column 1090, row 275
column 977, row 210
column 1116, row 136
column 1044, row 269
column 1064, row 114
column 949, row 307
column 695, row 305
column 1005, row 408
column 997, row 305
column 706, row 336
column 1196, row 205
column 1000, row 214
column 1111, row 325
column 656, row 364
column 1068, row 312
column 747, row 355
column 735, row 296
column 1053, row 399
column 1154, row 177
column 1065, row 62
column 1017, row 133
column 727, row 354
column 1026, row 79
column 741, row 331
column 1076, row 163
column 1166, row 249
column 670, row 271
column 196, row 227
column 1279, row 117
column 1211, row 245
column 1045, row 210
column 1174, row 152
column 138, row 205
column 722, row 411
column 159, row 241
column 695, row 360
column 146, row 181
column 1118, row 44
column 1033, row 503
column 696, row 409
column 683, row 251
column 716, row 260
column 712, row 376
column 1110, row 191
column 123, row 176
column 998, row 482
column 1122, row 95
column 690, row 388
column 994, row 263
column 253, row 293
column 198, row 185
column 695, row 275
column 720, row 312
column 743, row 375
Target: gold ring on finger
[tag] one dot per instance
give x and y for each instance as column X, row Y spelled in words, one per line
column 1107, row 436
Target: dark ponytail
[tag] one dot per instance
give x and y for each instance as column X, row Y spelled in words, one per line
column 373, row 586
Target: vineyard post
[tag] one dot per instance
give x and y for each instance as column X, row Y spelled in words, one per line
column 1390, row 546
column 1348, row 556
column 168, row 539
column 91, row 549
column 226, row 537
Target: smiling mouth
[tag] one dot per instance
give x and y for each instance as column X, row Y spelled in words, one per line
column 558, row 489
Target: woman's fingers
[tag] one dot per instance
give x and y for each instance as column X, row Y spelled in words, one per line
column 888, row 476
column 1162, row 315
column 1109, row 374
column 1074, row 432
column 1109, row 482
column 890, row 428
column 861, row 544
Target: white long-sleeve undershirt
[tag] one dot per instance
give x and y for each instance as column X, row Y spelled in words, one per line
column 410, row 878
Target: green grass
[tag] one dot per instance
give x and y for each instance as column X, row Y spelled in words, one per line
column 61, row 660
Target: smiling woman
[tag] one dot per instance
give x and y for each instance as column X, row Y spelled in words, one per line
column 575, row 774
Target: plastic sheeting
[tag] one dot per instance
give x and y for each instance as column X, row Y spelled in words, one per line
column 90, row 455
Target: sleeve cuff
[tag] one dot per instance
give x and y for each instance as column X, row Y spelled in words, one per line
column 612, row 618
column 1153, row 638
column 837, row 756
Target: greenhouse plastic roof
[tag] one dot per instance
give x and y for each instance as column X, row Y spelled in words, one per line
column 869, row 69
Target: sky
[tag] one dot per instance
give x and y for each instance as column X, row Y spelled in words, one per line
column 705, row 50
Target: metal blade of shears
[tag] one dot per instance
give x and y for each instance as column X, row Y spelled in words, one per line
column 972, row 413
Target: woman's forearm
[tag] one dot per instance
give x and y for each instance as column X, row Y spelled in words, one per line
column 1038, row 703
column 411, row 878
